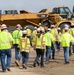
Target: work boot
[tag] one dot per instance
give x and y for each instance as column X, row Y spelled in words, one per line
column 38, row 63
column 34, row 65
column 24, row 66
column 8, row 69
column 17, row 63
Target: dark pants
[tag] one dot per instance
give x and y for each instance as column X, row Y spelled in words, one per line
column 58, row 45
column 53, row 51
column 73, row 48
column 5, row 56
column 25, row 57
column 39, row 53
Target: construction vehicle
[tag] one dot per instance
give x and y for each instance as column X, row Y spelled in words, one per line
column 59, row 17
column 23, row 17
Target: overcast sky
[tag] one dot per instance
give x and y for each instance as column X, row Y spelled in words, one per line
column 34, row 5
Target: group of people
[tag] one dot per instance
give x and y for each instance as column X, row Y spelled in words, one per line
column 42, row 39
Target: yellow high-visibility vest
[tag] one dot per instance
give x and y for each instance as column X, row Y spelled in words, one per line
column 29, row 32
column 40, row 42
column 72, row 31
column 48, row 38
column 16, row 36
column 24, row 44
column 5, row 40
column 65, row 39
column 54, row 32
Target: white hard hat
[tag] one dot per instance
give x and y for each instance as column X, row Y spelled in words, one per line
column 59, row 28
column 24, row 32
column 3, row 26
column 38, row 29
column 18, row 25
column 35, row 27
column 39, row 23
column 52, row 25
column 66, row 25
column 49, row 29
column 42, row 29
column 66, row 28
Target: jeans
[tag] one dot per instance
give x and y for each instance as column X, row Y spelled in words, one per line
column 48, row 52
column 39, row 53
column 5, row 58
column 25, row 57
column 18, row 56
column 66, row 54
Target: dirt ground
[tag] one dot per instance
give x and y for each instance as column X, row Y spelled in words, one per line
column 55, row 67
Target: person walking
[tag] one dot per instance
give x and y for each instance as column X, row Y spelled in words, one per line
column 17, row 34
column 66, row 39
column 5, row 48
column 54, row 33
column 48, row 41
column 24, row 49
column 39, row 46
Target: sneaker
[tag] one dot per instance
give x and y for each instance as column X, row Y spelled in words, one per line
column 24, row 66
column 17, row 63
column 8, row 69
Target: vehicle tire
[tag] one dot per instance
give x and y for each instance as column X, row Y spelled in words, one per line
column 63, row 25
column 11, row 28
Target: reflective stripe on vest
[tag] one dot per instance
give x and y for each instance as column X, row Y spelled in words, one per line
column 4, row 42
column 40, row 46
column 26, row 44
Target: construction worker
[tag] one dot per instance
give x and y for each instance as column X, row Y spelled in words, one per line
column 39, row 46
column 48, row 41
column 24, row 49
column 65, row 40
column 69, row 31
column 57, row 38
column 63, row 31
column 72, row 33
column 17, row 34
column 29, row 34
column 5, row 48
column 54, row 33
column 34, row 32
